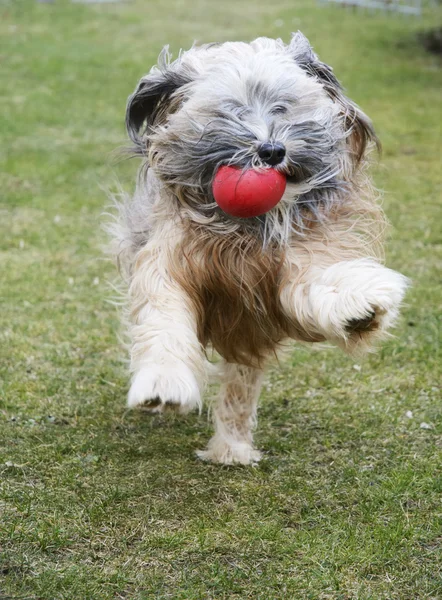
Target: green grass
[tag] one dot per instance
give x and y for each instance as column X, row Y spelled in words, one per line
column 100, row 503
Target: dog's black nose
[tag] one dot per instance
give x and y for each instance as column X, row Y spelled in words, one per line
column 271, row 153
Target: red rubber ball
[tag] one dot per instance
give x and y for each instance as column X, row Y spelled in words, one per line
column 247, row 193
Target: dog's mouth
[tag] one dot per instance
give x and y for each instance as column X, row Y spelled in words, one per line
column 296, row 172
column 297, row 177
column 254, row 189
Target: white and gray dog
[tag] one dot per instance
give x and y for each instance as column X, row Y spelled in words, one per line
column 199, row 279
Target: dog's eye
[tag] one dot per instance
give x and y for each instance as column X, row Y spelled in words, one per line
column 279, row 109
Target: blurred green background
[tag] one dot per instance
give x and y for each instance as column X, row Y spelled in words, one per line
column 100, row 503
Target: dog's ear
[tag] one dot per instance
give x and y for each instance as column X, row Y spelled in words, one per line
column 358, row 126
column 151, row 101
column 308, row 60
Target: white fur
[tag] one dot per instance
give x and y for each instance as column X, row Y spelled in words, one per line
column 227, row 451
column 329, row 299
column 167, row 359
column 352, row 290
column 173, row 384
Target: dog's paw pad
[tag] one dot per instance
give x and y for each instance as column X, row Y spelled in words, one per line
column 362, row 325
column 152, row 405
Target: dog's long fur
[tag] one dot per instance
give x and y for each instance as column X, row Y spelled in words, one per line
column 310, row 269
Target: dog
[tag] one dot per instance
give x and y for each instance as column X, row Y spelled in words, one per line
column 200, row 280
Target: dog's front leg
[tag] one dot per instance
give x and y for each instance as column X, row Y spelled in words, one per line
column 235, row 416
column 167, row 360
column 351, row 303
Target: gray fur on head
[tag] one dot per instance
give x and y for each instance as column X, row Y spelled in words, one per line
column 215, row 104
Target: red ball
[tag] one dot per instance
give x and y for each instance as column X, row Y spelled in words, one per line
column 247, row 193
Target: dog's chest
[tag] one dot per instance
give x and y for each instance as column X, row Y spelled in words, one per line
column 234, row 285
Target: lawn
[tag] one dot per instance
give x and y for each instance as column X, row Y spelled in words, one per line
column 97, row 502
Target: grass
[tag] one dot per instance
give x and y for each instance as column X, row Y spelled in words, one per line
column 99, row 503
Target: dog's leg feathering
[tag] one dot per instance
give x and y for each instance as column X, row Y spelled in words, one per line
column 351, row 303
column 167, row 359
column 235, row 417
column 356, row 302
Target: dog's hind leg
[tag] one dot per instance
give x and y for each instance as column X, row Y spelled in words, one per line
column 235, row 417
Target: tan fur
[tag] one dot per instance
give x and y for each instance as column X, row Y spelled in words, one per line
column 234, row 285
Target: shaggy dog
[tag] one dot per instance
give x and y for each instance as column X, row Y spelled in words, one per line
column 198, row 279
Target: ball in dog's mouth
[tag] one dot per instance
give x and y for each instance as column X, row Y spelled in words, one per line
column 247, row 193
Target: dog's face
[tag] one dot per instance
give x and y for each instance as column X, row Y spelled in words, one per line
column 263, row 104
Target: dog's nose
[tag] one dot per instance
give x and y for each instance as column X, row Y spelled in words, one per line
column 271, row 153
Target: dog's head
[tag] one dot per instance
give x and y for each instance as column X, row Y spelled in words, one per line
column 263, row 104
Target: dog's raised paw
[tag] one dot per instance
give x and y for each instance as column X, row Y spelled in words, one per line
column 356, row 302
column 160, row 387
